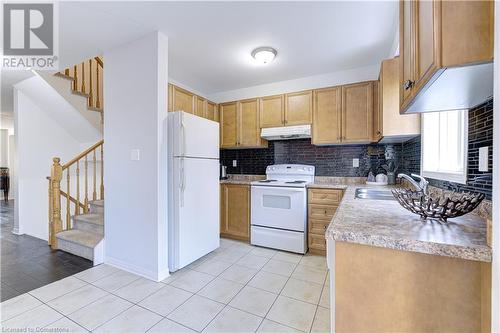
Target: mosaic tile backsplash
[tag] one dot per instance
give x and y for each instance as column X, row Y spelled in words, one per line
column 333, row 161
column 336, row 161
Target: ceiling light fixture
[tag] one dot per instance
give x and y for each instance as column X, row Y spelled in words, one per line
column 264, row 55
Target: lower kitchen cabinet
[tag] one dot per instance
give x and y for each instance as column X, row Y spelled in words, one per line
column 235, row 211
column 322, row 205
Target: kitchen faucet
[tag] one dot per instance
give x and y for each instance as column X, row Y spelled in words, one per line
column 420, row 186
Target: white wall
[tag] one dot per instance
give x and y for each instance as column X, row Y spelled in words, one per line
column 39, row 139
column 495, row 292
column 135, row 88
column 310, row 82
column 7, row 121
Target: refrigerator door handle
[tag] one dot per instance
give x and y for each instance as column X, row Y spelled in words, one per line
column 183, row 181
column 183, row 139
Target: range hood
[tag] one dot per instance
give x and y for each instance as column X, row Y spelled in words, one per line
column 454, row 88
column 286, row 132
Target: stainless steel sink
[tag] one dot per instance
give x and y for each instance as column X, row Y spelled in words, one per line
column 374, row 194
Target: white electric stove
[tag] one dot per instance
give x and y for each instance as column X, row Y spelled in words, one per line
column 279, row 207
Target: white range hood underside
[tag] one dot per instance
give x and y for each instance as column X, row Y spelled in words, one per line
column 286, row 132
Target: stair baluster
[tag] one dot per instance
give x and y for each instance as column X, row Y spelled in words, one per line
column 75, row 78
column 94, row 193
column 83, row 77
column 91, row 95
column 55, row 193
column 77, row 206
column 68, row 202
column 86, row 200
column 98, row 92
column 102, row 173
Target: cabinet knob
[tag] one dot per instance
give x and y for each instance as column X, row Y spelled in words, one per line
column 408, row 84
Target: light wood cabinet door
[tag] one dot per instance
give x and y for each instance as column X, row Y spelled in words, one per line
column 377, row 112
column 272, row 111
column 182, row 100
column 357, row 112
column 406, row 47
column 327, row 109
column 390, row 121
column 426, row 45
column 298, row 108
column 211, row 110
column 248, row 119
column 229, row 125
column 200, row 107
column 235, row 211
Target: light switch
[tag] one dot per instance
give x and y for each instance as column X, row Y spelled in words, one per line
column 483, row 159
column 355, row 162
column 134, row 155
column 235, row 163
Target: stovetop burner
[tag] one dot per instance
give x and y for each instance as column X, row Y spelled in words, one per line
column 296, row 182
column 267, row 181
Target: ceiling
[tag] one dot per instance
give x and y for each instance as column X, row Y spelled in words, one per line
column 210, row 42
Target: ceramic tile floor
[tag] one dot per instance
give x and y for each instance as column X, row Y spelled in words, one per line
column 237, row 288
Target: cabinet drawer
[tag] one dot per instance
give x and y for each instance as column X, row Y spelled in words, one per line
column 322, row 212
column 318, row 227
column 325, row 196
column 317, row 242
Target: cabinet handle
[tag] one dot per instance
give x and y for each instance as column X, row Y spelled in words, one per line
column 325, row 212
column 408, row 84
column 324, row 227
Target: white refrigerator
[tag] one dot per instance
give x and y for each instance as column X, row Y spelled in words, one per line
column 193, row 183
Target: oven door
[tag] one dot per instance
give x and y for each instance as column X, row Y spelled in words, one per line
column 279, row 207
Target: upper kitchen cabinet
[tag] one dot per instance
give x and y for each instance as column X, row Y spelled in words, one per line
column 272, row 111
column 182, row 100
column 228, row 125
column 240, row 124
column 389, row 124
column 446, row 51
column 248, row 124
column 327, row 110
column 298, row 108
column 200, row 106
column 357, row 113
column 211, row 111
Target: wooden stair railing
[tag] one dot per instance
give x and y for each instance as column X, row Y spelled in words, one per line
column 75, row 201
column 87, row 81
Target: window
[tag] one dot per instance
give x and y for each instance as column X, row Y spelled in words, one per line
column 444, row 145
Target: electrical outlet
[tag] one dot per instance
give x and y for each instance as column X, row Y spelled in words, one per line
column 483, row 159
column 235, row 163
column 355, row 162
column 135, row 155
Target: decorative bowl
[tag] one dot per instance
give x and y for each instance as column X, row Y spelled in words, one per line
column 437, row 208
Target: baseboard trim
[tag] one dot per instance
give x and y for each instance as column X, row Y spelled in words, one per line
column 134, row 269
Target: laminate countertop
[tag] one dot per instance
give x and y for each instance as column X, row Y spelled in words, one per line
column 384, row 223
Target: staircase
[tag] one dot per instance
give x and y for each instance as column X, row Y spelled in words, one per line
column 87, row 232
column 86, row 81
column 76, row 188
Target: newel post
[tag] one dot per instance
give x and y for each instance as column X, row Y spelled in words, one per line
column 55, row 186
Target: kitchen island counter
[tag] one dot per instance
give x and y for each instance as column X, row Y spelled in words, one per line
column 384, row 223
